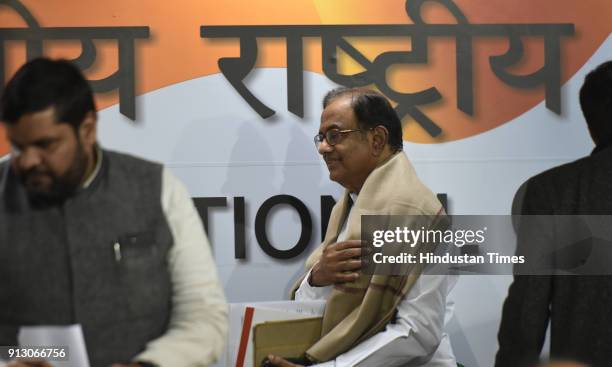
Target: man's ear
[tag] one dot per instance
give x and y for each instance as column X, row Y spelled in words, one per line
column 88, row 130
column 380, row 138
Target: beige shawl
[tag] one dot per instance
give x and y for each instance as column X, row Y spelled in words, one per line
column 357, row 310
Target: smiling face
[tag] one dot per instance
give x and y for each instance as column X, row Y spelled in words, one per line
column 50, row 158
column 355, row 156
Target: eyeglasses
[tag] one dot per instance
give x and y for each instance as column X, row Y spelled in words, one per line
column 333, row 136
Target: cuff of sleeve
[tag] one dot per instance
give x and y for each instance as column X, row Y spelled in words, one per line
column 308, row 292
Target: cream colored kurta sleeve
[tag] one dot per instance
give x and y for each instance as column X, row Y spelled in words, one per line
column 198, row 323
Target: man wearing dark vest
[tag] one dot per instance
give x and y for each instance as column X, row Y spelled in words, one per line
column 578, row 307
column 97, row 238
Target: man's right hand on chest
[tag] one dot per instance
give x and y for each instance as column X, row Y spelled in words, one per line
column 339, row 263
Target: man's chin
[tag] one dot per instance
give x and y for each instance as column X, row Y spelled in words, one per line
column 335, row 176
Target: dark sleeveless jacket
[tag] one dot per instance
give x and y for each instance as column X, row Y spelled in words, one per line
column 99, row 260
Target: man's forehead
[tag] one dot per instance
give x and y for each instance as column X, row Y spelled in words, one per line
column 339, row 113
column 36, row 125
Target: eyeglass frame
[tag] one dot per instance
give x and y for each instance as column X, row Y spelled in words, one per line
column 318, row 139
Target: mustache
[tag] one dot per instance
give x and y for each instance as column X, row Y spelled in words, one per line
column 25, row 174
column 329, row 157
column 36, row 171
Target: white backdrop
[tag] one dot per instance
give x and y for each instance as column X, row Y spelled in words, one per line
column 219, row 147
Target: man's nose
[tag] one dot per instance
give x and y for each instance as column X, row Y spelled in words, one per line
column 28, row 159
column 324, row 147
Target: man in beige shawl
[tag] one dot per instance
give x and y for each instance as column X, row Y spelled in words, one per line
column 371, row 320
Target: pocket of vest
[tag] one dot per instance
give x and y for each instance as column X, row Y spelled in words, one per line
column 136, row 248
column 143, row 272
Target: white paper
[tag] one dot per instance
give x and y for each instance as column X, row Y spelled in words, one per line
column 70, row 336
